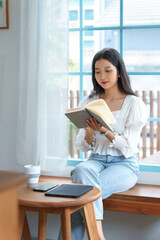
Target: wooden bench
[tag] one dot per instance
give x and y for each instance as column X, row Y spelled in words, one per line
column 142, row 198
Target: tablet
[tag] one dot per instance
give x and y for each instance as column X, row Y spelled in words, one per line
column 69, row 190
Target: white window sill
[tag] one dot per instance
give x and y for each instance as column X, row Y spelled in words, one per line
column 149, row 173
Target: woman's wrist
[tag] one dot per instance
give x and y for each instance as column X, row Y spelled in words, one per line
column 110, row 135
column 106, row 133
column 89, row 136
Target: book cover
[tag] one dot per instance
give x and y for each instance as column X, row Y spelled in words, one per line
column 79, row 117
column 97, row 109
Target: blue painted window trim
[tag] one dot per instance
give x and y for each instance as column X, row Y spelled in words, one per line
column 121, row 28
column 142, row 167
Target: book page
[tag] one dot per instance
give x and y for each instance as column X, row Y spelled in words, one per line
column 101, row 108
column 73, row 110
column 100, row 120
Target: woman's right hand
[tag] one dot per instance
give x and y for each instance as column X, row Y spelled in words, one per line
column 89, row 135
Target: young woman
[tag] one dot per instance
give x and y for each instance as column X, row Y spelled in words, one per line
column 113, row 163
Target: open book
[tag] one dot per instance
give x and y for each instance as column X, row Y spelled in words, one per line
column 97, row 109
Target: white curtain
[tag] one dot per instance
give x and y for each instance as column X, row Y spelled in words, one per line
column 43, row 77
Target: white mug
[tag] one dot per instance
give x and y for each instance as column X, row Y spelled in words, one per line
column 33, row 172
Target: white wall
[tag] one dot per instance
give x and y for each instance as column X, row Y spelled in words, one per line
column 117, row 226
column 9, row 61
column 121, row 226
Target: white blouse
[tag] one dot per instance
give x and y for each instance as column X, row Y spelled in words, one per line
column 130, row 120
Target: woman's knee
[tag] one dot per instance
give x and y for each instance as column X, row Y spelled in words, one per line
column 81, row 172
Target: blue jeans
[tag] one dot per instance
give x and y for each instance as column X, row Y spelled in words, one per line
column 111, row 174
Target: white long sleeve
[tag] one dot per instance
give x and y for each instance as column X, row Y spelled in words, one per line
column 81, row 143
column 130, row 121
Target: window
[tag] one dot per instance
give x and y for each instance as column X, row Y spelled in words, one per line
column 73, row 2
column 107, row 3
column 73, row 15
column 88, row 44
column 89, row 2
column 133, row 28
column 89, row 14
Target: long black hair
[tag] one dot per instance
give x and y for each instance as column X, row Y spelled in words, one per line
column 115, row 58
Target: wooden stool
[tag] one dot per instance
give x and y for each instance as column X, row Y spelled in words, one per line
column 37, row 201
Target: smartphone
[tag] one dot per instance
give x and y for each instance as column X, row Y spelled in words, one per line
column 45, row 187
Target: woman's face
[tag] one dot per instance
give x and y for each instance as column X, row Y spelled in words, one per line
column 106, row 74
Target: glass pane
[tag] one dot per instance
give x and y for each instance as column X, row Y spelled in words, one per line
column 144, row 12
column 148, row 88
column 89, row 14
column 145, row 85
column 87, row 84
column 74, row 3
column 74, row 83
column 88, row 2
column 148, row 143
column 102, row 13
column 73, row 100
column 74, row 13
column 74, row 52
column 145, row 82
column 74, row 88
column 142, row 49
column 99, row 40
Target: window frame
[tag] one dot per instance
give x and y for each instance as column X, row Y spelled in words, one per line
column 146, row 168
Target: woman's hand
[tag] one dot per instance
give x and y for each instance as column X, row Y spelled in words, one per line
column 93, row 125
column 89, row 135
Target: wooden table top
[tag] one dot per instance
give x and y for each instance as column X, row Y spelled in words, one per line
column 11, row 179
column 28, row 197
